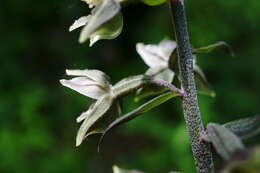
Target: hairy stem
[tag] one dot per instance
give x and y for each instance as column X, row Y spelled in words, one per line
column 201, row 150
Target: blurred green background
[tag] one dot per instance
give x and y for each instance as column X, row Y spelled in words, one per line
column 37, row 114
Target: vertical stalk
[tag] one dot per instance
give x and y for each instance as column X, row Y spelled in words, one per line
column 201, row 150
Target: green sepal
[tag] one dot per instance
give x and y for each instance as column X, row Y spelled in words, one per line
column 101, row 14
column 108, row 30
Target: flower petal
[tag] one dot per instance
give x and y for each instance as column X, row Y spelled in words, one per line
column 167, row 47
column 149, row 55
column 84, row 86
column 156, row 55
column 95, row 75
column 79, row 23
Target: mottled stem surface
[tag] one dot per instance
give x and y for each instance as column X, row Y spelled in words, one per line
column 201, row 150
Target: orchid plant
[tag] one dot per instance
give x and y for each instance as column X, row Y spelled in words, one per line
column 166, row 61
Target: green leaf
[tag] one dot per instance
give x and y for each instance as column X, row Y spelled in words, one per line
column 108, row 30
column 98, row 110
column 154, row 2
column 224, row 141
column 141, row 109
column 246, row 127
column 102, row 14
column 219, row 45
column 202, row 83
column 116, row 169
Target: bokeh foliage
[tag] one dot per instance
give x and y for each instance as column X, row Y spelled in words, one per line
column 37, row 114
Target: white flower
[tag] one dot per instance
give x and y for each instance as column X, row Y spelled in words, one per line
column 94, row 84
column 157, row 57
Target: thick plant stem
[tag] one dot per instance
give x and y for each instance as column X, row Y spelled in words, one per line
column 201, row 150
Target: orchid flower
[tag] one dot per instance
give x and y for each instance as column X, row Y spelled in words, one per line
column 157, row 58
column 163, row 64
column 93, row 84
column 96, row 85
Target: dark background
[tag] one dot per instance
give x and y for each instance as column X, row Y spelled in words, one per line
column 37, row 114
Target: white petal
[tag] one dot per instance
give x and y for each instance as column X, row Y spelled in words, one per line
column 167, row 47
column 95, row 75
column 79, row 23
column 156, row 55
column 149, row 55
column 84, row 86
